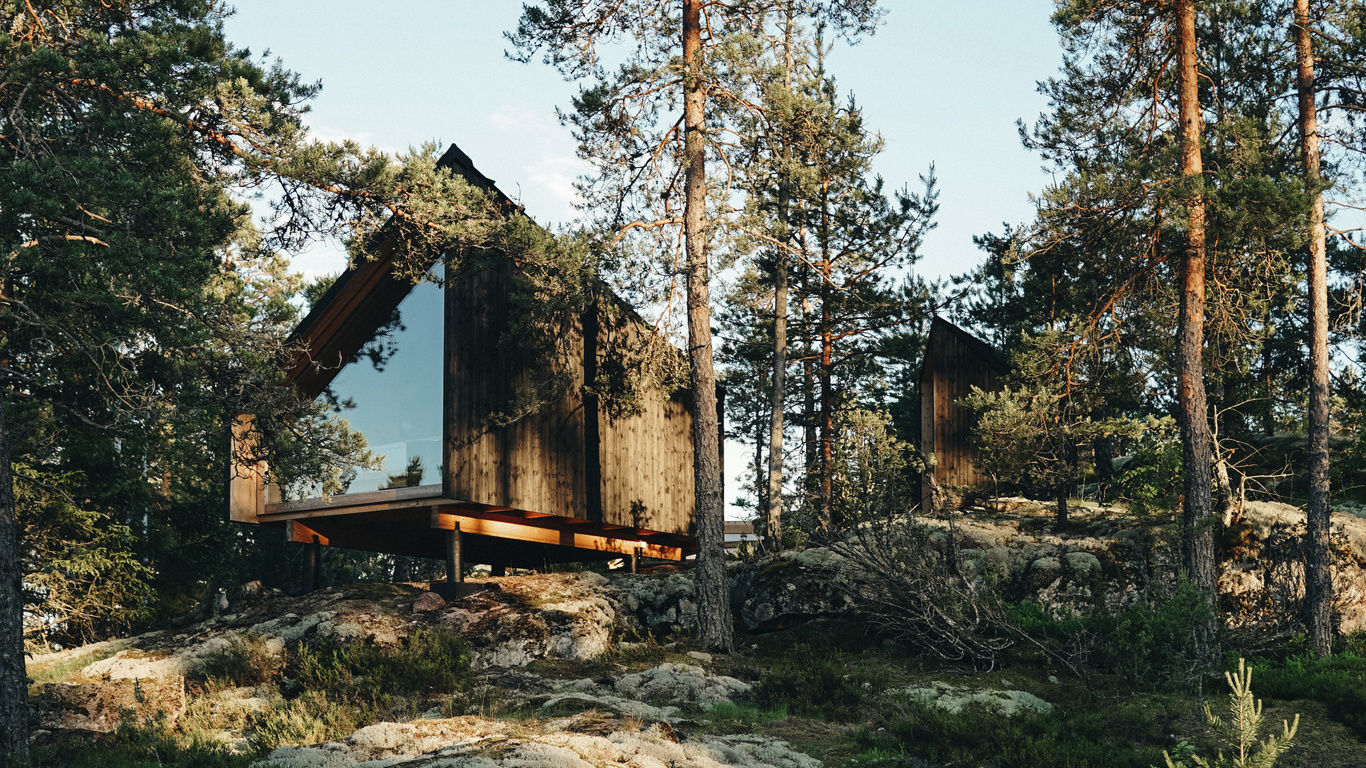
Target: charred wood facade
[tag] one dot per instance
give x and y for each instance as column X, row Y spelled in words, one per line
column 955, row 362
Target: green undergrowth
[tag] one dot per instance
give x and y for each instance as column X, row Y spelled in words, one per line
column 815, row 683
column 1338, row 682
column 1145, row 647
column 325, row 691
column 247, row 661
column 64, row 669
column 436, row 661
column 1115, row 736
column 745, row 716
column 147, row 744
column 330, row 689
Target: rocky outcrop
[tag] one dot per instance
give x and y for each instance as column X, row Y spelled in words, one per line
column 661, row 602
column 479, row 743
column 953, row 699
column 1106, row 560
column 1263, row 572
column 563, row 616
column 789, row 589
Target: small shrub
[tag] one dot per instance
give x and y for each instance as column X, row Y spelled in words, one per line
column 1239, row 732
column 809, row 683
column 312, row 718
column 247, row 661
column 1149, row 479
column 1151, row 645
column 150, row 743
column 646, row 649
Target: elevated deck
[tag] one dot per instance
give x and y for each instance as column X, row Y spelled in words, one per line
column 412, row 521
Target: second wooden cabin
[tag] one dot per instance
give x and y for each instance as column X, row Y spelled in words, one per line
column 955, row 362
column 420, row 370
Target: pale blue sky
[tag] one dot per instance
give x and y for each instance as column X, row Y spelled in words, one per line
column 943, row 82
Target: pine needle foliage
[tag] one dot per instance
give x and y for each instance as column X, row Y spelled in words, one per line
column 1240, row 730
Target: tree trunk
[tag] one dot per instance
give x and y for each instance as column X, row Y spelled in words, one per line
column 773, row 514
column 1103, row 453
column 13, row 677
column 1318, row 574
column 810, row 441
column 713, row 593
column 760, row 487
column 1198, row 521
column 827, row 396
column 827, row 425
column 1268, row 414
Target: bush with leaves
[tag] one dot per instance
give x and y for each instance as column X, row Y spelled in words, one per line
column 1150, row 477
column 1339, row 681
column 1150, row 644
column 82, row 578
column 873, row 473
column 1029, row 438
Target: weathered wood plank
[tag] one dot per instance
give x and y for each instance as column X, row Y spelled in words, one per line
column 246, row 482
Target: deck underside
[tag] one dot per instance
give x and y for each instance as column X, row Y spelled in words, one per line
column 414, row 522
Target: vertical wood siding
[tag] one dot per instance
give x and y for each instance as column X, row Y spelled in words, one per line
column 639, row 467
column 955, row 362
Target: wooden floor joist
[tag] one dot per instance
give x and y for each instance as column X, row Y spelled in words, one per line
column 403, row 521
column 564, row 537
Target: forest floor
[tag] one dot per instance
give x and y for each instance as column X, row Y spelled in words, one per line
column 555, row 671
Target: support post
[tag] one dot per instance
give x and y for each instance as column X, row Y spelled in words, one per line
column 455, row 570
column 635, row 560
column 498, row 569
column 313, row 566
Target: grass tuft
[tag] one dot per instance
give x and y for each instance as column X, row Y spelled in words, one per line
column 247, row 661
column 815, row 684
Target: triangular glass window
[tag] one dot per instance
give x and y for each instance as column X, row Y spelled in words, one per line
column 391, row 393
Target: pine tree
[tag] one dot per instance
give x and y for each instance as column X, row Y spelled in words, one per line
column 649, row 156
column 140, row 310
column 650, row 192
column 1318, row 581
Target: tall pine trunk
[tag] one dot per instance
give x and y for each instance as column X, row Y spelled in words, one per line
column 13, row 679
column 1198, row 522
column 809, row 437
column 773, row 514
column 760, row 487
column 1318, row 574
column 827, row 361
column 713, row 595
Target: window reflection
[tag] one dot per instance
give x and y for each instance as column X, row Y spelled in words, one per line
column 391, row 393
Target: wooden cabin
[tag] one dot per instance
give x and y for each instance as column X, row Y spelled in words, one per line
column 955, row 362
column 423, row 370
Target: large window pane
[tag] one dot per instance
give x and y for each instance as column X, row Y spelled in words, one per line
column 391, row 393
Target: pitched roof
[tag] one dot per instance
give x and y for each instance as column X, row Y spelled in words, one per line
column 363, row 298
column 989, row 354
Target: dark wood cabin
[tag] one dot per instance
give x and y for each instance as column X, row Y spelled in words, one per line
column 955, row 362
column 566, row 483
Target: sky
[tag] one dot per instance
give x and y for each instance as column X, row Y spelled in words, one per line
column 943, row 83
